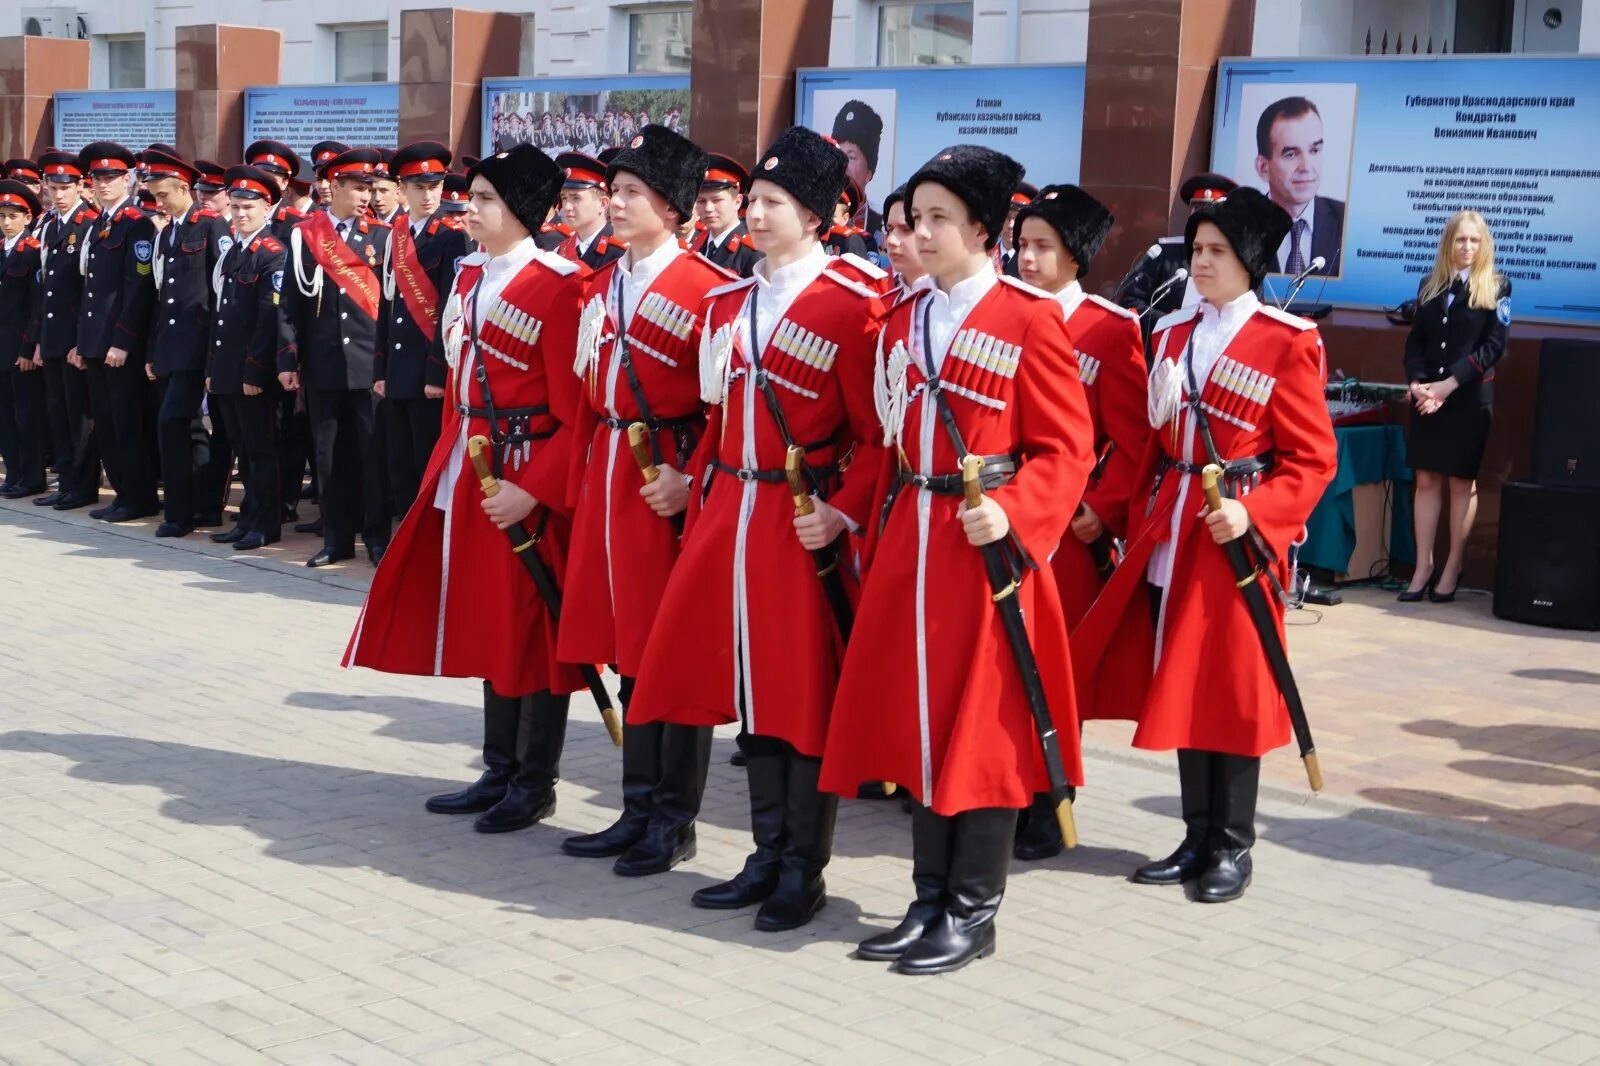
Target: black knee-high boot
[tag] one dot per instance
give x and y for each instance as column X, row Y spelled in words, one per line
column 500, row 716
column 808, row 821
column 767, row 770
column 531, row 793
column 980, row 858
column 1235, row 782
column 931, row 839
column 669, row 836
column 641, row 770
column 1189, row 861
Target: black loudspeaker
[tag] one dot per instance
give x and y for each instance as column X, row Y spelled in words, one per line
column 1566, row 431
column 1547, row 570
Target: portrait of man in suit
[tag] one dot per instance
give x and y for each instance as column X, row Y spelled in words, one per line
column 1289, row 159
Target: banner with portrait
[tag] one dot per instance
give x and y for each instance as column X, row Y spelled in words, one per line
column 586, row 115
column 1372, row 156
column 892, row 120
column 133, row 118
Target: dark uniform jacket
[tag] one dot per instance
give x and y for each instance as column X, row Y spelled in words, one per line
column 249, row 337
column 1147, row 276
column 1461, row 342
column 62, row 281
column 187, row 251
column 19, row 301
column 735, row 254
column 334, row 339
column 406, row 360
column 118, row 289
column 283, row 219
column 602, row 249
column 846, row 240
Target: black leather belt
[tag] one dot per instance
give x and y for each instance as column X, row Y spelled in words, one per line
column 822, row 473
column 652, row 424
column 501, row 412
column 1248, row 467
column 997, row 470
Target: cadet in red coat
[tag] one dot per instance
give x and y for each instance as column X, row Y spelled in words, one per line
column 638, row 362
column 932, row 696
column 1056, row 236
column 1238, row 383
column 746, row 631
column 450, row 599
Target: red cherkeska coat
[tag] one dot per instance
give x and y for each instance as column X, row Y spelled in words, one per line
column 450, row 598
column 1111, row 367
column 745, row 625
column 1205, row 684
column 931, row 697
column 622, row 551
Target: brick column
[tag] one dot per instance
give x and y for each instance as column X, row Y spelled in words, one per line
column 1150, row 89
column 32, row 71
column 214, row 65
column 742, row 79
column 445, row 53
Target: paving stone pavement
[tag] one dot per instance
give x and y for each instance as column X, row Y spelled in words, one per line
column 213, row 850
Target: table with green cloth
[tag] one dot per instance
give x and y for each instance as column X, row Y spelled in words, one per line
column 1367, row 455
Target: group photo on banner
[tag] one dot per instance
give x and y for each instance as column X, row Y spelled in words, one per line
column 585, row 115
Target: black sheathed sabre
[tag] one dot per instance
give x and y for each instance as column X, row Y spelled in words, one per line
column 827, row 559
column 1005, row 601
column 1255, row 598
column 522, row 547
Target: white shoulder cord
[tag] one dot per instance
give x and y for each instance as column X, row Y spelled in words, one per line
column 157, row 261
column 308, row 288
column 216, row 273
column 388, row 265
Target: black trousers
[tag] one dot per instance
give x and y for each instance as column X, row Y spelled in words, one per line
column 412, row 430
column 252, row 429
column 294, row 444
column 194, row 476
column 66, row 391
column 349, row 459
column 117, row 399
column 22, row 427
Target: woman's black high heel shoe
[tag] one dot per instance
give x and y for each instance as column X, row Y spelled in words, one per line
column 1435, row 596
column 1415, row 596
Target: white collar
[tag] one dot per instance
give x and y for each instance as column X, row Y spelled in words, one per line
column 12, row 242
column 1234, row 312
column 965, row 294
column 1070, row 296
column 651, row 266
column 337, row 222
column 415, row 223
column 1464, row 273
column 499, row 266
column 716, row 239
column 793, row 277
column 243, row 240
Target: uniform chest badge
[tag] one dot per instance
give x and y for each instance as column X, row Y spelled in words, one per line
column 72, row 238
column 223, row 244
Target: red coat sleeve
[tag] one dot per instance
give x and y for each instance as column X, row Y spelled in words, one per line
column 1057, row 435
column 546, row 476
column 1305, row 454
column 853, row 370
column 1120, row 397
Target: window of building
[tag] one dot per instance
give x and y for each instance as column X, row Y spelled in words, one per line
column 361, row 53
column 659, row 40
column 125, row 61
column 525, row 57
column 916, row 34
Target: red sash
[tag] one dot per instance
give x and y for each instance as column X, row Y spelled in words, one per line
column 341, row 262
column 416, row 288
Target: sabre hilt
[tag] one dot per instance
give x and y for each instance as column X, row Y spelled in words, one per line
column 972, row 480
column 1210, row 479
column 794, row 462
column 639, row 441
column 477, row 451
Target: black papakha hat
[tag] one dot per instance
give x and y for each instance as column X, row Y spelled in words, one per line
column 1082, row 221
column 983, row 178
column 1253, row 224
column 668, row 162
column 526, row 179
column 808, row 166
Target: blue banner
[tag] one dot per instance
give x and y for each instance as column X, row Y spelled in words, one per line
column 354, row 113
column 580, row 114
column 1374, row 156
column 133, row 118
column 892, row 120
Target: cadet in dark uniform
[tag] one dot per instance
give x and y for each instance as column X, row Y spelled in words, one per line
column 208, row 187
column 409, row 368
column 321, row 153
column 248, row 337
column 66, row 227
column 1144, row 283
column 583, row 208
column 118, row 297
column 456, row 195
column 1459, row 334
column 27, row 172
column 187, row 251
column 22, row 417
column 1023, row 195
column 280, row 163
column 725, row 240
column 331, row 298
column 844, row 238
